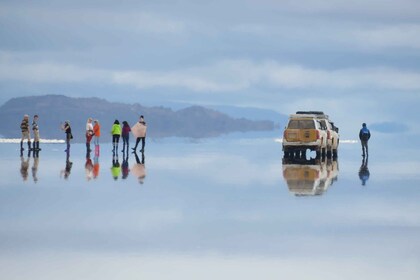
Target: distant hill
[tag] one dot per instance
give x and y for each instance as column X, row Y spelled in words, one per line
column 193, row 121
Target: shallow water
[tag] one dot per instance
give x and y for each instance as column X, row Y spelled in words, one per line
column 224, row 208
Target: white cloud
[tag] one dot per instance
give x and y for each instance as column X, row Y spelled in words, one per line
column 221, row 76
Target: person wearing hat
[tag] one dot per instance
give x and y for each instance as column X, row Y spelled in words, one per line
column 364, row 136
column 24, row 126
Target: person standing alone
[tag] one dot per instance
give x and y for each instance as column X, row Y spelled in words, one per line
column 24, row 126
column 364, row 136
column 35, row 129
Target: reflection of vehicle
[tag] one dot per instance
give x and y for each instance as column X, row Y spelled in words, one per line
column 333, row 137
column 304, row 131
column 309, row 177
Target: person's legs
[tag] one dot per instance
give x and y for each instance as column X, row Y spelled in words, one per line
column 143, row 143
column 137, row 142
column 117, row 138
column 68, row 144
column 21, row 142
column 29, row 140
column 367, row 149
column 364, row 147
column 36, row 139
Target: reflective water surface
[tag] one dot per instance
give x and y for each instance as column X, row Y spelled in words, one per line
column 224, row 208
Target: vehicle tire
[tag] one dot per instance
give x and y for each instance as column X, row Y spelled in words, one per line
column 335, row 154
column 323, row 153
column 329, row 153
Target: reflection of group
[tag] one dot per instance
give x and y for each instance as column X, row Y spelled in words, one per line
column 309, row 177
column 25, row 163
column 138, row 169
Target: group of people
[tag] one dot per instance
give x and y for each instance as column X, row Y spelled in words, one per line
column 26, row 134
column 93, row 131
column 138, row 130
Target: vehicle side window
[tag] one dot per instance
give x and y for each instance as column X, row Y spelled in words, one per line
column 323, row 125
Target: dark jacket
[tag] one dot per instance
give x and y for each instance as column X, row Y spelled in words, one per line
column 364, row 134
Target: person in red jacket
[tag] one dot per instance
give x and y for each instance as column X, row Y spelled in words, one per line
column 125, row 135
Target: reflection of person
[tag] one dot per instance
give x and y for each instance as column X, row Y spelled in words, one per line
column 364, row 136
column 116, row 133
column 35, row 129
column 125, row 135
column 89, row 133
column 24, row 165
column 124, row 166
column 88, row 168
column 35, row 166
column 67, row 129
column 24, row 127
column 116, row 168
column 96, row 163
column 66, row 171
column 364, row 171
column 142, row 136
column 139, row 169
column 97, row 131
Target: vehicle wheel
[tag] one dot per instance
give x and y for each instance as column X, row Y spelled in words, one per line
column 335, row 154
column 329, row 153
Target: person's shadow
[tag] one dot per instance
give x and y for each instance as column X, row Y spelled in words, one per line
column 364, row 171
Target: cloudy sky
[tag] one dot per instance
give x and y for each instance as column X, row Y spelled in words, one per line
column 358, row 60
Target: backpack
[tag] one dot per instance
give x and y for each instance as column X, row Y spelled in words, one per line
column 365, row 134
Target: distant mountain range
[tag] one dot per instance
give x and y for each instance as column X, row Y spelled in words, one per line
column 193, row 121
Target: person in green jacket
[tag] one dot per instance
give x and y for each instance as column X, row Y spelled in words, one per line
column 116, row 133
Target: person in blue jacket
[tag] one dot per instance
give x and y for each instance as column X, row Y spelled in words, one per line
column 364, row 136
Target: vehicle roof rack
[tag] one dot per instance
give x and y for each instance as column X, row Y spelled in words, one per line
column 310, row 113
column 316, row 114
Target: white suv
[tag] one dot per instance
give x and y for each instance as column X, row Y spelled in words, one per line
column 333, row 138
column 304, row 131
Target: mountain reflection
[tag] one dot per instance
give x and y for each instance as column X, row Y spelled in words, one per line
column 309, row 177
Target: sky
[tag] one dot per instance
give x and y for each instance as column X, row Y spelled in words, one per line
column 358, row 61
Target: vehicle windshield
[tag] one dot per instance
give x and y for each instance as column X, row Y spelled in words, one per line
column 301, row 124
